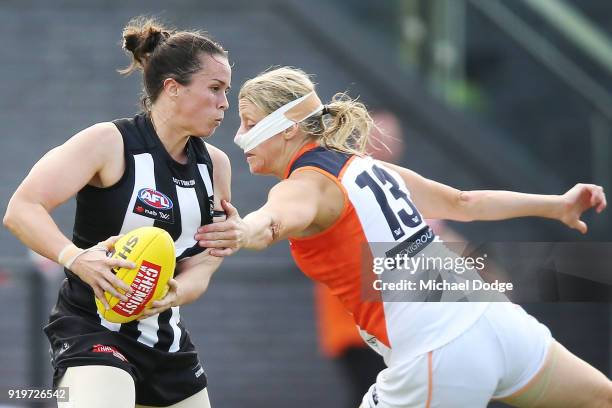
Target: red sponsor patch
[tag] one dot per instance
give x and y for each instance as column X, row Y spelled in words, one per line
column 143, row 286
column 101, row 348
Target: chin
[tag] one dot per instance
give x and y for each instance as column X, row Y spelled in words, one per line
column 256, row 170
column 204, row 133
column 209, row 133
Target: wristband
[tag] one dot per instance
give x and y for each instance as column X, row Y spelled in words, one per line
column 67, row 255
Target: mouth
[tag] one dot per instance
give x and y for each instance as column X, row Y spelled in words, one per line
column 249, row 155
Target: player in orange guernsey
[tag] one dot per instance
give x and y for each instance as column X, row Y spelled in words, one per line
column 333, row 202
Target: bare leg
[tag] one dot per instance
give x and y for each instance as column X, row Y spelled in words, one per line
column 98, row 387
column 564, row 381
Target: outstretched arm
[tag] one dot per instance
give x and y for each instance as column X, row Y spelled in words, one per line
column 291, row 208
column 437, row 200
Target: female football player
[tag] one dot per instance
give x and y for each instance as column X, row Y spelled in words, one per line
column 153, row 169
column 334, row 204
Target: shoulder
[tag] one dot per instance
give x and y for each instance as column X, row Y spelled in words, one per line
column 100, row 139
column 221, row 161
column 313, row 176
column 222, row 172
column 310, row 181
column 99, row 133
column 331, row 161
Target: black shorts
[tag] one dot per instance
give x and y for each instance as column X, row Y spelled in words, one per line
column 161, row 378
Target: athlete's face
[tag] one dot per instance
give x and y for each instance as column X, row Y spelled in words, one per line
column 201, row 105
column 265, row 158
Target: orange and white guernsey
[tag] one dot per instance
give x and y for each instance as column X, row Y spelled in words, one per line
column 377, row 209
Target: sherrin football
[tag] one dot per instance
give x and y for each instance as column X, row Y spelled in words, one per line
column 151, row 249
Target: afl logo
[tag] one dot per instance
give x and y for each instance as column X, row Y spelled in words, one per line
column 155, row 199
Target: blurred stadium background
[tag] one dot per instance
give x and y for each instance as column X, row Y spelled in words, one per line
column 512, row 94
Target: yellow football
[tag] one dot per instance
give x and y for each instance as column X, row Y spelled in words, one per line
column 151, row 249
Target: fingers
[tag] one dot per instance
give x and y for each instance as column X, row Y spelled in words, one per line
column 120, row 263
column 598, row 199
column 223, row 252
column 109, row 243
column 109, row 288
column 173, row 285
column 602, row 205
column 163, row 304
column 118, row 283
column 229, row 235
column 217, row 227
column 230, row 210
column 100, row 295
column 218, row 239
column 152, row 311
column 580, row 226
column 218, row 244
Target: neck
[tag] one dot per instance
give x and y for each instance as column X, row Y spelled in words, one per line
column 173, row 138
column 291, row 151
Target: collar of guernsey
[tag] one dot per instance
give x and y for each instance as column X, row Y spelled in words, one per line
column 279, row 120
column 297, row 155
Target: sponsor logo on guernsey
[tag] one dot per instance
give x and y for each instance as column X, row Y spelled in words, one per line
column 101, row 348
column 154, row 204
column 62, row 350
column 183, row 183
column 198, row 371
column 413, row 245
column 143, row 286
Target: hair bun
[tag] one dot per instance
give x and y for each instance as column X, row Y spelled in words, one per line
column 141, row 36
column 131, row 41
column 152, row 40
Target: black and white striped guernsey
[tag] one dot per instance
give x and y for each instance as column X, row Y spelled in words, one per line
column 155, row 190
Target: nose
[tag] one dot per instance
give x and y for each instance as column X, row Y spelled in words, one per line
column 224, row 105
column 237, row 138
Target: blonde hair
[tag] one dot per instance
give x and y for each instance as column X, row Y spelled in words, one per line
column 346, row 128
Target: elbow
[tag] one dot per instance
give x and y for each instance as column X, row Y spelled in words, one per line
column 464, row 204
column 9, row 220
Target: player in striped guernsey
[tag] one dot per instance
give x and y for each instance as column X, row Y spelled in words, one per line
column 333, row 203
column 153, row 169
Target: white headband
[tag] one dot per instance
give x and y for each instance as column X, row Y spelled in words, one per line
column 281, row 119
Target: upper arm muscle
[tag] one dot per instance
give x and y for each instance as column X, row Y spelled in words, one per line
column 222, row 175
column 432, row 199
column 294, row 203
column 64, row 170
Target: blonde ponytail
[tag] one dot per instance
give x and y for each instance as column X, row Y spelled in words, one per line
column 348, row 126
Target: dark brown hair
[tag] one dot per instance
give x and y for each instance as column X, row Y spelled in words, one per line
column 163, row 53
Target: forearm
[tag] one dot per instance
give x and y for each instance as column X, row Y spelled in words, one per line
column 32, row 225
column 195, row 277
column 262, row 230
column 489, row 205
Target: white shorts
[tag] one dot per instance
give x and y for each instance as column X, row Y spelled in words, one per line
column 494, row 358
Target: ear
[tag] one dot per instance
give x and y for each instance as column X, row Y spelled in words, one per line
column 171, row 87
column 291, row 132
